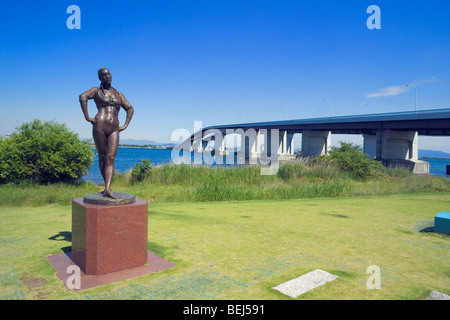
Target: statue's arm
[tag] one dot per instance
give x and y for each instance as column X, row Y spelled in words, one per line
column 84, row 97
column 129, row 109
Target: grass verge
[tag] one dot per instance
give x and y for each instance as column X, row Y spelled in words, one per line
column 241, row 249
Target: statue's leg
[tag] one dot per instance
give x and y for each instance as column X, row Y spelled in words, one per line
column 112, row 145
column 100, row 143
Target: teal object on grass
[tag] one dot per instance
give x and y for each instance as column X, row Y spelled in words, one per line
column 442, row 222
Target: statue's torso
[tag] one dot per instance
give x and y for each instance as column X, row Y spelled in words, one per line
column 108, row 104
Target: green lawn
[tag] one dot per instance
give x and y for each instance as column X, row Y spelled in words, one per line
column 240, row 250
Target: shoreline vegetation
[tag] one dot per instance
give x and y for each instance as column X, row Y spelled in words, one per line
column 432, row 158
column 344, row 172
column 146, row 146
column 169, row 183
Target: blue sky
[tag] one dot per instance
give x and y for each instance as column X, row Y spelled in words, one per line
column 223, row 61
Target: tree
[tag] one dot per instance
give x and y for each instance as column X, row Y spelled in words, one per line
column 44, row 152
column 351, row 159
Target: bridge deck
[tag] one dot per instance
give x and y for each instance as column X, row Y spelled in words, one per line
column 426, row 122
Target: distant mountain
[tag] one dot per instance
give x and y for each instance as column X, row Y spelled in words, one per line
column 433, row 154
column 142, row 142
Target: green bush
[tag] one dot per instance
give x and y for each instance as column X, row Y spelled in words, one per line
column 141, row 170
column 44, row 152
column 286, row 172
column 351, row 159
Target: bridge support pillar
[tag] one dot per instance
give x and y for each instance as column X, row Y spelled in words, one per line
column 286, row 146
column 197, row 146
column 315, row 143
column 400, row 148
column 250, row 142
column 219, row 144
column 370, row 145
column 282, row 141
column 268, row 148
column 204, row 145
column 258, row 142
column 290, row 144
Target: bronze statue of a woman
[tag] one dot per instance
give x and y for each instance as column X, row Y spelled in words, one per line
column 105, row 129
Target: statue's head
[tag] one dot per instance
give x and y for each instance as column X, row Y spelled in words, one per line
column 104, row 75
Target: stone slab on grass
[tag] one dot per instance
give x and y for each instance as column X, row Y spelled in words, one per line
column 305, row 283
column 436, row 295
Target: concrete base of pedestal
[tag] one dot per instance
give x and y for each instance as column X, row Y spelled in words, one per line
column 79, row 281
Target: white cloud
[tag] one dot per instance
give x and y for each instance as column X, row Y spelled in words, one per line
column 396, row 90
column 388, row 92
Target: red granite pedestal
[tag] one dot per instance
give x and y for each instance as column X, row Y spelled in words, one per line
column 107, row 239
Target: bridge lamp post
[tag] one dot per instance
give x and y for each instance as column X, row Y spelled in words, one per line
column 362, row 107
column 411, row 85
column 331, row 106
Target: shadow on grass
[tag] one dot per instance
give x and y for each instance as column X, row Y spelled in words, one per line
column 159, row 249
column 334, row 215
column 428, row 229
column 425, row 226
column 62, row 236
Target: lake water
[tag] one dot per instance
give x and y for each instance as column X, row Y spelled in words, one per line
column 126, row 159
column 438, row 167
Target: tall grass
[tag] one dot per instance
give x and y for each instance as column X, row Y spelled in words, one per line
column 186, row 174
column 184, row 183
column 35, row 195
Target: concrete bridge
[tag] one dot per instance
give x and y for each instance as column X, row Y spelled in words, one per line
column 390, row 137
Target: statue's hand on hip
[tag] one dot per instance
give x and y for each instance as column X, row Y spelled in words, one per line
column 91, row 120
